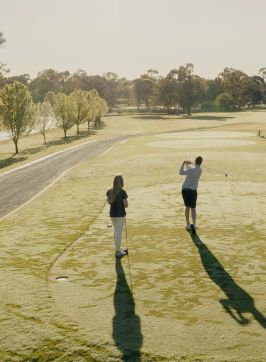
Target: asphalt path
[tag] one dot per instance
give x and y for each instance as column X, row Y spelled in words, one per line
column 20, row 185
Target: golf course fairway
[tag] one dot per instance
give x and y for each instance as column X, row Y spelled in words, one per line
column 178, row 297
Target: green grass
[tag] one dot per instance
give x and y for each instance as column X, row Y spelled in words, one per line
column 175, row 305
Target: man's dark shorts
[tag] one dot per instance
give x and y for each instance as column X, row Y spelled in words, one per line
column 190, row 197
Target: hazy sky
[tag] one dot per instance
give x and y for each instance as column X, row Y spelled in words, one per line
column 130, row 36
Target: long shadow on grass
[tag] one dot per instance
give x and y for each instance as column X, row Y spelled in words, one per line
column 238, row 300
column 22, row 156
column 126, row 324
column 11, row 160
column 210, row 118
column 148, row 117
column 57, row 142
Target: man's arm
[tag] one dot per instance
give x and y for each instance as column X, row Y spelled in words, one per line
column 182, row 171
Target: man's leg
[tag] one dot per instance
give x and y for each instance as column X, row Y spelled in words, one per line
column 194, row 216
column 118, row 224
column 187, row 215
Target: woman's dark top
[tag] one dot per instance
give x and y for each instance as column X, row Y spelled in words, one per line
column 117, row 207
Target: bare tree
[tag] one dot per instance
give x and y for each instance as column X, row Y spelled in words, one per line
column 80, row 103
column 63, row 109
column 44, row 118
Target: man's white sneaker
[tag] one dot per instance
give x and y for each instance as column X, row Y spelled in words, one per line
column 120, row 253
column 188, row 227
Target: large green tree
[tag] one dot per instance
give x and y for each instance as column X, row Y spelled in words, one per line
column 112, row 84
column 166, row 93
column 235, row 83
column 213, row 87
column 262, row 73
column 16, row 111
column 22, row 78
column 77, row 80
column 144, row 88
column 224, row 102
column 48, row 80
column 255, row 90
column 190, row 87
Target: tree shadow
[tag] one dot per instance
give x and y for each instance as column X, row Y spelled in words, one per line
column 22, row 155
column 126, row 324
column 238, row 300
column 56, row 142
column 11, row 160
column 178, row 116
column 209, row 118
column 148, row 117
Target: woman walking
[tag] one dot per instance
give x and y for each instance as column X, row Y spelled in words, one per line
column 117, row 199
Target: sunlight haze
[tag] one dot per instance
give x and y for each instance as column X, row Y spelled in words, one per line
column 129, row 37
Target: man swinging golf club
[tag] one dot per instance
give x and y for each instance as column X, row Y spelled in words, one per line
column 189, row 190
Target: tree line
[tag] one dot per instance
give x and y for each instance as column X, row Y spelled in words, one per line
column 72, row 99
column 19, row 115
column 181, row 89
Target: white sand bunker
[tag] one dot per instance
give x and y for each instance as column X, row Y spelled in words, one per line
column 202, row 140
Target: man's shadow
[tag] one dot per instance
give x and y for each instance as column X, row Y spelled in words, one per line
column 238, row 300
column 126, row 324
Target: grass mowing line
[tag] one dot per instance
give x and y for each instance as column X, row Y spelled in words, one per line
column 72, row 242
column 69, row 246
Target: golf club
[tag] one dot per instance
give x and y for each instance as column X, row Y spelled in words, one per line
column 128, row 258
column 214, row 170
column 220, row 172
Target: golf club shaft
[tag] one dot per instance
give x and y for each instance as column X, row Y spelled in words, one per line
column 212, row 169
column 128, row 259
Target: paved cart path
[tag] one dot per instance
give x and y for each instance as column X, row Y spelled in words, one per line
column 20, row 185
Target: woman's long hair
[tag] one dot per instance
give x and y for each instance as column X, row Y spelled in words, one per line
column 118, row 184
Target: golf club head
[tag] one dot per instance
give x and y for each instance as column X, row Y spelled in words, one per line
column 125, row 251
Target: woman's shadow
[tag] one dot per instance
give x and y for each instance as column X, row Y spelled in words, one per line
column 126, row 324
column 238, row 300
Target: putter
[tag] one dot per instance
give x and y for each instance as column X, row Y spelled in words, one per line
column 126, row 251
